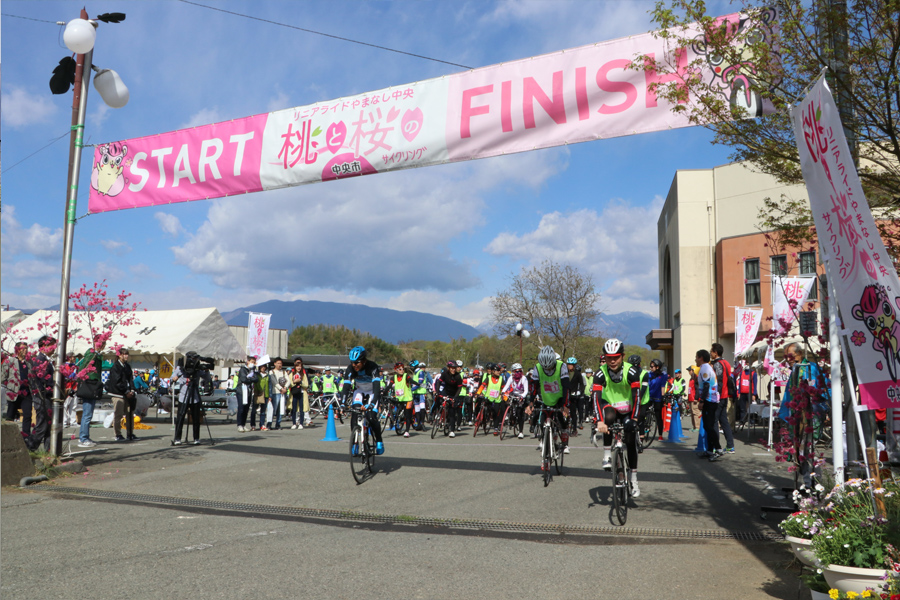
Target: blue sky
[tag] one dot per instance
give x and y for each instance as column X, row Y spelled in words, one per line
column 442, row 239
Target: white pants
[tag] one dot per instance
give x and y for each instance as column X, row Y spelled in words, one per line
column 70, row 417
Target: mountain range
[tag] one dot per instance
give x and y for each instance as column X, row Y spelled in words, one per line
column 396, row 326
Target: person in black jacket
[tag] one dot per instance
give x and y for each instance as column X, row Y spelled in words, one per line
column 120, row 386
column 245, row 391
column 447, row 385
column 40, row 381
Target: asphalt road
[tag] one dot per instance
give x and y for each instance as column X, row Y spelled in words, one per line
column 156, row 520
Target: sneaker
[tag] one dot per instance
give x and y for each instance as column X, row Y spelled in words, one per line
column 379, row 448
column 240, row 429
column 263, row 428
column 496, row 432
column 729, row 450
column 119, row 438
column 635, row 490
column 452, row 434
column 660, row 438
column 132, row 437
column 196, row 442
column 406, row 435
column 299, row 426
column 177, row 443
column 521, row 435
column 714, row 457
column 294, row 426
column 87, row 444
column 704, row 455
column 308, row 424
column 162, row 412
column 565, row 450
column 607, row 464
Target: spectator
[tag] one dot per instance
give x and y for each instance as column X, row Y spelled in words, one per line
column 657, row 380
column 692, row 398
column 261, row 390
column 722, row 369
column 10, row 378
column 70, row 373
column 120, row 386
column 708, row 396
column 278, row 387
column 746, row 384
column 299, row 395
column 245, row 392
column 90, row 389
column 189, row 399
column 41, row 383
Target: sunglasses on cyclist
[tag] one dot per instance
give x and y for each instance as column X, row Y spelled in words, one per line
column 517, row 371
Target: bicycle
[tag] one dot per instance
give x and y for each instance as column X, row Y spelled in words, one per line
column 440, row 419
column 511, row 419
column 551, row 443
column 621, row 473
column 321, row 404
column 362, row 446
column 648, row 429
column 398, row 418
column 481, row 419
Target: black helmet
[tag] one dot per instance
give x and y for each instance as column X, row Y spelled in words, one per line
column 634, row 360
column 656, row 363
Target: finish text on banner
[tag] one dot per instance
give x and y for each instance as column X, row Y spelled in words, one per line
column 864, row 279
column 577, row 95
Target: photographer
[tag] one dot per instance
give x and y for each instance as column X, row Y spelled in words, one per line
column 190, row 370
column 120, row 385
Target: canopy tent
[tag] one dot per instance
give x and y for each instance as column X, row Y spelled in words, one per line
column 8, row 318
column 154, row 335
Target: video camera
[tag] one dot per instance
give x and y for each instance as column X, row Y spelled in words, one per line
column 194, row 364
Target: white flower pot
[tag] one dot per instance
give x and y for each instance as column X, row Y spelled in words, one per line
column 819, row 595
column 853, row 579
column 803, row 550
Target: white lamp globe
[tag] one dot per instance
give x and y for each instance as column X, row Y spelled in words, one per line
column 79, row 36
column 110, row 87
column 525, row 333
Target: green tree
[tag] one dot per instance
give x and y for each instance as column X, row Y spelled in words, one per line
column 859, row 44
column 337, row 339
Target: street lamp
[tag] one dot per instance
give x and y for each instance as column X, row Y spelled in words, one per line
column 521, row 332
column 79, row 37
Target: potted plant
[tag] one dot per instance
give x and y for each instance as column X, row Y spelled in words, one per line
column 856, row 543
column 818, row 587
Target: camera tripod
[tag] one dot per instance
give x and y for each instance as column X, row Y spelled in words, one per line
column 191, row 396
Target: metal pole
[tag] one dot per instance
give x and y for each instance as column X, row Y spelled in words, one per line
column 771, row 410
column 837, row 394
column 76, row 141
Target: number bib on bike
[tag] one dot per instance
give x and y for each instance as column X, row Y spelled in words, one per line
column 401, row 390
column 493, row 389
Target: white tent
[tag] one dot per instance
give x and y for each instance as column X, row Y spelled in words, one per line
column 156, row 334
column 8, row 318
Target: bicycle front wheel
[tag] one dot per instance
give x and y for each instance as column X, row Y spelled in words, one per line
column 546, row 453
column 358, row 461
column 505, row 425
column 478, row 420
column 435, row 425
column 557, row 452
column 649, row 429
column 370, row 450
column 620, row 486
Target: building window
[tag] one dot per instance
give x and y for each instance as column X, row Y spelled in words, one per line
column 779, row 266
column 751, row 282
column 808, row 269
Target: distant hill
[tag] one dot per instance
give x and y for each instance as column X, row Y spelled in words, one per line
column 390, row 325
column 631, row 327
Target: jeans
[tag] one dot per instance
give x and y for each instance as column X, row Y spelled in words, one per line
column 274, row 409
column 87, row 413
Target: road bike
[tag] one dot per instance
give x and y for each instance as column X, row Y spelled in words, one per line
column 398, row 418
column 362, row 446
column 482, row 416
column 321, row 404
column 648, row 428
column 440, row 419
column 511, row 423
column 621, row 473
column 551, row 443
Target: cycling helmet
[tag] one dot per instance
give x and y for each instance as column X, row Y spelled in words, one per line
column 451, row 364
column 588, row 371
column 612, row 347
column 398, row 365
column 459, row 363
column 656, row 363
column 490, row 366
column 413, row 364
column 357, row 353
column 634, row 360
column 547, row 357
column 572, row 360
column 501, row 366
column 516, row 367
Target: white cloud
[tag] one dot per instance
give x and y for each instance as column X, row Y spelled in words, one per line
column 617, row 246
column 170, row 224
column 116, row 247
column 22, row 108
column 204, row 116
column 357, row 234
column 36, row 240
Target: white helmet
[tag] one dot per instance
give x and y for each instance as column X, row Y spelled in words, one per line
column 547, row 357
column 459, row 363
column 613, row 347
column 516, row 367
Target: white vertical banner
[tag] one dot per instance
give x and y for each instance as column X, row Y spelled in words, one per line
column 865, row 282
column 789, row 289
column 746, row 326
column 258, row 334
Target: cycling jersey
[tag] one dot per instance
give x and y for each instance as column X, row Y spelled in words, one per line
column 553, row 388
column 516, row 388
column 448, row 384
column 367, row 380
column 492, row 389
column 402, row 390
column 619, row 389
column 329, row 384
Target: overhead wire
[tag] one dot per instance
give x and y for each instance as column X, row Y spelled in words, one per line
column 13, row 166
column 328, row 35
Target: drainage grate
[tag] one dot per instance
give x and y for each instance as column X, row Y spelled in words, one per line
column 467, row 524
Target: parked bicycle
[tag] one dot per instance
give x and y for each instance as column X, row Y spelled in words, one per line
column 321, row 404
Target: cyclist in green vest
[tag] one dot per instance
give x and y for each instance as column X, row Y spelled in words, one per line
column 420, row 391
column 464, row 398
column 328, row 383
column 553, row 388
column 401, row 385
column 491, row 389
column 588, row 377
column 617, row 399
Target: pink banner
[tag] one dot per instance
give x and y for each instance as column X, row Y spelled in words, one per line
column 865, row 282
column 258, row 334
column 746, row 326
column 576, row 95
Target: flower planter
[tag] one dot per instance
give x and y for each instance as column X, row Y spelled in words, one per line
column 854, row 579
column 803, row 551
column 819, row 595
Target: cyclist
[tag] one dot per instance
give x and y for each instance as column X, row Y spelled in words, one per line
column 517, row 386
column 553, row 388
column 329, row 383
column 617, row 399
column 655, row 384
column 492, row 390
column 576, row 391
column 446, row 386
column 419, row 390
column 402, row 385
column 635, row 361
column 465, row 398
column 588, row 386
column 366, row 376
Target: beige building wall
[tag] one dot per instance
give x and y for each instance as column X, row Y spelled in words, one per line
column 703, row 207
